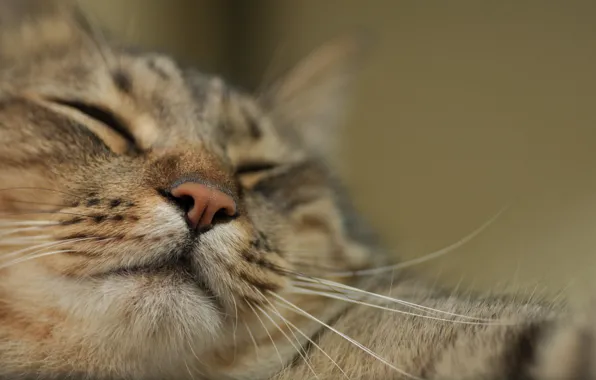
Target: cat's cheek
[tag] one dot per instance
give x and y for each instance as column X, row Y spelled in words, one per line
column 161, row 222
column 236, row 265
column 108, row 246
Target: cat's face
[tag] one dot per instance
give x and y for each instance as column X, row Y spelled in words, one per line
column 103, row 268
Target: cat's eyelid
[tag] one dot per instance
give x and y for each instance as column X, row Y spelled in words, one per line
column 255, row 166
column 101, row 115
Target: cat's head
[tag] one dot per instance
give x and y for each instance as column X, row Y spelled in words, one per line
column 146, row 210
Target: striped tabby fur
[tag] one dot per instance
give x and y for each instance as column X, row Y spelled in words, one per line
column 101, row 278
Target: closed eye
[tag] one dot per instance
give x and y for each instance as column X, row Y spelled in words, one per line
column 101, row 115
column 255, row 167
column 251, row 173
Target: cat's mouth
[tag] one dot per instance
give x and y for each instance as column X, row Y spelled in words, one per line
column 179, row 266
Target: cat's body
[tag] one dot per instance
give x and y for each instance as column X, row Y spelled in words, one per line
column 431, row 349
column 157, row 224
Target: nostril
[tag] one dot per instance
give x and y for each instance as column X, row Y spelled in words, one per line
column 222, row 216
column 185, row 202
column 204, row 205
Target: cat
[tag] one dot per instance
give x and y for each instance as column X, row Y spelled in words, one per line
column 159, row 223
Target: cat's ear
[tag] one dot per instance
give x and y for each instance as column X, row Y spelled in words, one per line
column 311, row 99
column 30, row 27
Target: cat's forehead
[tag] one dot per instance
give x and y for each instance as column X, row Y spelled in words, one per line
column 162, row 104
column 158, row 97
column 49, row 50
column 192, row 100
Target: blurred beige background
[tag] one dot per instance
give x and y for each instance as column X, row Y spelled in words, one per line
column 464, row 107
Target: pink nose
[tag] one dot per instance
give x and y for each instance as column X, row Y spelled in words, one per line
column 207, row 202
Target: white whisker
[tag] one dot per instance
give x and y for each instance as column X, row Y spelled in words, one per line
column 346, row 337
column 18, row 230
column 281, row 361
column 49, row 245
column 334, row 285
column 283, row 319
column 28, row 223
column 235, row 329
column 272, row 306
column 299, row 350
column 427, row 257
column 350, row 300
column 33, row 257
column 23, row 240
column 254, row 341
column 287, row 322
column 192, row 350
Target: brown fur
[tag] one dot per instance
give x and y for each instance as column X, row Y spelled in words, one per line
column 93, row 137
